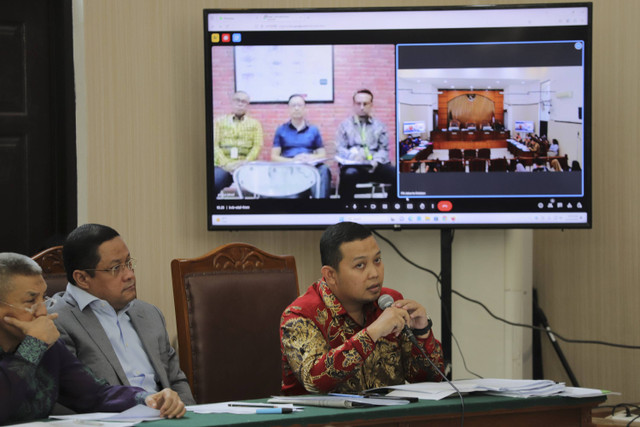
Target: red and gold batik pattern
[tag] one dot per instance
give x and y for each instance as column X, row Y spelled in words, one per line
column 325, row 350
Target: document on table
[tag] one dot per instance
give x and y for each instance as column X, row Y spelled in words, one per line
column 429, row 390
column 314, row 161
column 230, row 408
column 349, row 162
column 131, row 416
column 493, row 386
column 585, row 392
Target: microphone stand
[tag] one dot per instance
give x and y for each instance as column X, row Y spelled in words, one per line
column 409, row 334
column 539, row 318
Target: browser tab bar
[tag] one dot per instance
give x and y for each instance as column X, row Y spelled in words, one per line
column 410, row 19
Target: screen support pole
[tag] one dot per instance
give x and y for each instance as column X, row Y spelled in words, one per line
column 446, row 239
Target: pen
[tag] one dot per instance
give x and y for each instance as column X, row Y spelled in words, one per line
column 253, row 405
column 274, row 411
column 352, row 396
column 382, row 396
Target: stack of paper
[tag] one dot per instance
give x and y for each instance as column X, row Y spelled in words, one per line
column 517, row 388
column 498, row 387
column 130, row 417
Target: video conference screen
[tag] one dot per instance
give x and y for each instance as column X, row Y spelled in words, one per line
column 476, row 117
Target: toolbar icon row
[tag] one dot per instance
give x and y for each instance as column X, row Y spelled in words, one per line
column 226, row 37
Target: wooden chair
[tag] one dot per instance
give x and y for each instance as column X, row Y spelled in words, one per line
column 453, row 166
column 484, row 153
column 564, row 162
column 469, row 154
column 527, row 161
column 455, row 153
column 477, row 165
column 228, row 306
column 53, row 272
column 498, row 165
column 454, row 124
column 423, row 154
column 420, row 156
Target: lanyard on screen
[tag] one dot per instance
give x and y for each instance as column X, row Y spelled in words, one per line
column 363, row 136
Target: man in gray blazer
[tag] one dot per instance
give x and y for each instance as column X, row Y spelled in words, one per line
column 121, row 339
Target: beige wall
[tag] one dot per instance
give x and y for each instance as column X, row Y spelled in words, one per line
column 589, row 280
column 141, row 133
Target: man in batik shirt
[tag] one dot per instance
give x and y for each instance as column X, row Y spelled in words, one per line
column 362, row 147
column 335, row 337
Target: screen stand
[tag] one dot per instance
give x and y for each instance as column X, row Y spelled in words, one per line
column 446, row 239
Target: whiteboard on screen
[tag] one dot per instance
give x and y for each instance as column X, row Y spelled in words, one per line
column 274, row 73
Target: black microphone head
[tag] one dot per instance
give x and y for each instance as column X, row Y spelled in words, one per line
column 385, row 301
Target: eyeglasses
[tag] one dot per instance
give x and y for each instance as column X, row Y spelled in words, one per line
column 117, row 269
column 48, row 303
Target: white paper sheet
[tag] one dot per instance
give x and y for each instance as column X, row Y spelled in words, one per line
column 493, row 386
column 132, row 416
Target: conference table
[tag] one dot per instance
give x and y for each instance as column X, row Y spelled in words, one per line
column 279, row 180
column 480, row 411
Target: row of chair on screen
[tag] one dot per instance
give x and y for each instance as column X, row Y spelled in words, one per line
column 457, row 153
column 501, row 164
column 468, row 154
column 228, row 304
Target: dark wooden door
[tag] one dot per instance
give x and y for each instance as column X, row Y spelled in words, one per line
column 37, row 124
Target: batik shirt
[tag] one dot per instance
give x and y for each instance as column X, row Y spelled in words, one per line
column 368, row 138
column 325, row 350
column 236, row 139
column 34, row 377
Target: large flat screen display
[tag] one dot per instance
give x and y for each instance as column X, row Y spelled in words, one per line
column 476, row 117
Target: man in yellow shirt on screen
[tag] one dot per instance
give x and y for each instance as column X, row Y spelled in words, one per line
column 237, row 139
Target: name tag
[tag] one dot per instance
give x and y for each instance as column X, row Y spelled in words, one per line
column 233, row 153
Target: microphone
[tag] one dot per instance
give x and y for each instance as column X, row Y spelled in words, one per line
column 386, row 301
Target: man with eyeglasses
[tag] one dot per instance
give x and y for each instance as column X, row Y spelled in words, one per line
column 237, row 139
column 120, row 338
column 37, row 370
column 362, row 147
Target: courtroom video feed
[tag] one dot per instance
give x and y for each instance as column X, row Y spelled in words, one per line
column 490, row 119
column 304, row 121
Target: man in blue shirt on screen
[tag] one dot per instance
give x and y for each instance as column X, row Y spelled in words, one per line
column 299, row 141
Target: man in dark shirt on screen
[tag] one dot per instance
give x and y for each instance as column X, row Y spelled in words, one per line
column 299, row 141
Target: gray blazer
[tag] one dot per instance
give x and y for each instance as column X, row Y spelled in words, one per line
column 84, row 336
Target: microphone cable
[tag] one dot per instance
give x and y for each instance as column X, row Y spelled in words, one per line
column 386, row 301
column 508, row 322
column 437, row 277
column 424, row 353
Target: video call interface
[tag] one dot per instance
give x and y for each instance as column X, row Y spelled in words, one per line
column 484, row 126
